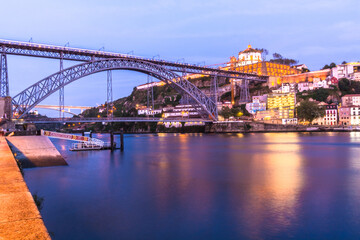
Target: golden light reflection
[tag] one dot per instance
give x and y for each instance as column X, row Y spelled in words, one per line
column 277, row 182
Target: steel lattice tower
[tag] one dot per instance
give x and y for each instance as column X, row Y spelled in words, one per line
column 4, row 78
column 61, row 90
column 109, row 94
column 244, row 91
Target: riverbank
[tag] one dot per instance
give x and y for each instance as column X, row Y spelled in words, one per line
column 19, row 216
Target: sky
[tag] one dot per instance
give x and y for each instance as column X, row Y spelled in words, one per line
column 315, row 32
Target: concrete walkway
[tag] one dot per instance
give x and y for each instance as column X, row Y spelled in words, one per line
column 19, row 216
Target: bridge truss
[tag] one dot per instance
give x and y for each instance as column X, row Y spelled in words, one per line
column 96, row 61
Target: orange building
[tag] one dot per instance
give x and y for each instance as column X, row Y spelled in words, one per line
column 298, row 78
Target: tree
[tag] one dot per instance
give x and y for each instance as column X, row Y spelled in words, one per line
column 332, row 65
column 264, row 52
column 308, row 111
column 278, row 58
column 226, row 112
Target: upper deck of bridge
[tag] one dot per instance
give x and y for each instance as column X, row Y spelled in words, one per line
column 85, row 55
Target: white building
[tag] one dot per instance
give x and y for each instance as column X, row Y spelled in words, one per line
column 149, row 111
column 305, row 86
column 255, row 106
column 289, row 121
column 318, row 83
column 348, row 70
column 180, row 111
column 288, row 87
column 248, row 56
column 331, row 115
column 355, row 115
column 149, row 85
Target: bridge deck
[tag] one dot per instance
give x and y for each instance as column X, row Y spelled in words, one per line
column 78, row 54
column 115, row 119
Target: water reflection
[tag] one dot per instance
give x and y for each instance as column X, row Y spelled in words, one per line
column 198, row 186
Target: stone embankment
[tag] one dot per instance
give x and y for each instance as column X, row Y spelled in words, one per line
column 19, row 216
column 241, row 127
column 35, row 151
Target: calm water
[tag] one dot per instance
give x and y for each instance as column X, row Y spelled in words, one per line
column 196, row 186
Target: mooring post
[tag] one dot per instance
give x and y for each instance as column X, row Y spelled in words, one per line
column 121, row 140
column 112, row 140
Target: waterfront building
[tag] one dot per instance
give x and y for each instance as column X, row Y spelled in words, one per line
column 289, row 121
column 331, row 115
column 348, row 70
column 355, row 115
column 283, row 103
column 344, row 116
column 255, row 105
column 319, row 121
column 350, row 100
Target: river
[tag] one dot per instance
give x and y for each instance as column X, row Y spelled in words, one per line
column 206, row 186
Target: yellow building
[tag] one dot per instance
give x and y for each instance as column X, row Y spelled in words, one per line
column 282, row 103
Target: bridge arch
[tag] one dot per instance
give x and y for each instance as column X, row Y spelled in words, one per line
column 33, row 95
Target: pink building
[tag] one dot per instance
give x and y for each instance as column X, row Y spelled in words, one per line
column 344, row 116
column 350, row 100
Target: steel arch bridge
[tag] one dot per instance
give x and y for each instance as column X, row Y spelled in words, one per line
column 31, row 96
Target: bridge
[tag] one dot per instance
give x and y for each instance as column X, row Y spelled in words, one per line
column 171, row 73
column 109, row 120
column 66, row 109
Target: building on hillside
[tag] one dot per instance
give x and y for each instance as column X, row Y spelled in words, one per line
column 220, row 105
column 350, row 100
column 266, row 68
column 305, row 86
column 344, row 116
column 262, row 98
column 283, row 102
column 355, row 115
column 182, row 111
column 288, row 88
column 255, row 105
column 331, row 115
column 348, row 70
column 279, row 106
column 301, row 66
column 246, row 57
column 149, row 111
column 310, row 77
column 149, row 85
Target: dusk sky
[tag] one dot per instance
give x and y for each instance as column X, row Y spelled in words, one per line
column 313, row 32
